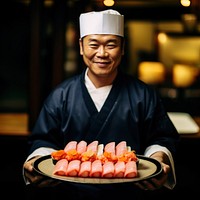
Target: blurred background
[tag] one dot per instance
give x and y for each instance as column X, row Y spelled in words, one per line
column 39, row 49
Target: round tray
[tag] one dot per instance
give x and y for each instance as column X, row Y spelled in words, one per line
column 147, row 168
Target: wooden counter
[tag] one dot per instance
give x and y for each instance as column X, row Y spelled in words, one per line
column 194, row 135
column 15, row 124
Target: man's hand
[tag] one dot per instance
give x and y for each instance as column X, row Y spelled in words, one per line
column 35, row 178
column 157, row 182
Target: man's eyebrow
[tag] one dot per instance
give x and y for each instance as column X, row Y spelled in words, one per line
column 92, row 40
column 96, row 40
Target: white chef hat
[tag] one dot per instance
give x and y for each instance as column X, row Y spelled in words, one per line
column 102, row 22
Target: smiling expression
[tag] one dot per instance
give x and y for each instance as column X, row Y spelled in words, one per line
column 102, row 54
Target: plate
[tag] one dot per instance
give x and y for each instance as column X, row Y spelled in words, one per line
column 147, row 168
column 184, row 123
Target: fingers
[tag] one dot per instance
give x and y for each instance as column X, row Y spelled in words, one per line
column 46, row 182
column 153, row 183
column 147, row 185
column 28, row 165
column 156, row 182
column 37, row 179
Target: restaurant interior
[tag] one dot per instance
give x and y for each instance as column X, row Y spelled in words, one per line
column 39, row 49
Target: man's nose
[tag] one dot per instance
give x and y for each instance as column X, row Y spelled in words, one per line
column 102, row 51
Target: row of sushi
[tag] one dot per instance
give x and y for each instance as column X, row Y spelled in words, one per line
column 79, row 159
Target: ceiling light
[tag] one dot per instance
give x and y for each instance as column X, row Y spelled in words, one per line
column 109, row 2
column 185, row 3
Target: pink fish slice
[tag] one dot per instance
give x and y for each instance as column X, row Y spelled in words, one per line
column 61, row 167
column 70, row 145
column 85, row 169
column 108, row 169
column 121, row 148
column 131, row 169
column 93, row 146
column 81, row 147
column 110, row 147
column 119, row 169
column 73, row 168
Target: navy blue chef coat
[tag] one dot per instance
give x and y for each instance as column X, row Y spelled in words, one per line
column 132, row 112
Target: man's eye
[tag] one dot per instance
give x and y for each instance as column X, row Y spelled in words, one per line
column 93, row 45
column 111, row 46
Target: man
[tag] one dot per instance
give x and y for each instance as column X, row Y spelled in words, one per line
column 103, row 104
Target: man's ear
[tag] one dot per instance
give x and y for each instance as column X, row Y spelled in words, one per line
column 81, row 46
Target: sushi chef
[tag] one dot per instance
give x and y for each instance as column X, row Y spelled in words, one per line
column 102, row 103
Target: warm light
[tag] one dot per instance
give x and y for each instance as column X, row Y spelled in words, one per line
column 151, row 72
column 162, row 37
column 109, row 2
column 185, row 3
column 184, row 75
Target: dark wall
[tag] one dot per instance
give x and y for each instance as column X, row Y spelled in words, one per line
column 14, row 56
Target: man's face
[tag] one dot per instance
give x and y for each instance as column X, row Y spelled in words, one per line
column 102, row 53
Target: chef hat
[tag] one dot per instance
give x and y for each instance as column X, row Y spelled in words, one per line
column 102, row 22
